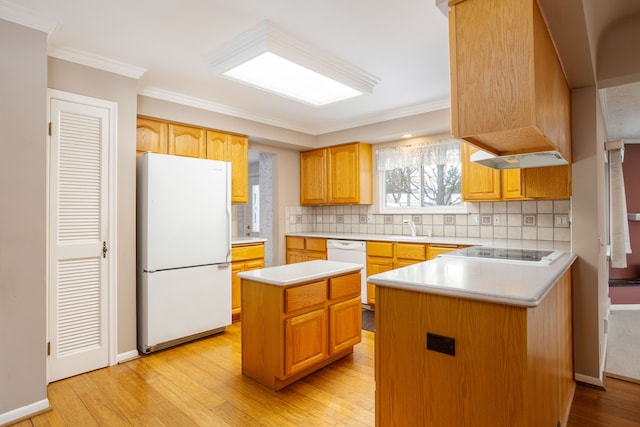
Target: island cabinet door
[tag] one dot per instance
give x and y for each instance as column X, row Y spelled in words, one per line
column 306, row 341
column 345, row 325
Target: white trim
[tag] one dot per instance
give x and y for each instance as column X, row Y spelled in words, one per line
column 27, row 17
column 95, row 61
column 192, row 101
column 112, row 232
column 589, row 380
column 622, row 307
column 112, row 220
column 129, row 355
column 24, row 411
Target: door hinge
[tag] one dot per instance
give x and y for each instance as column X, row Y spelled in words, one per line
column 49, row 348
column 104, row 249
column 50, row 126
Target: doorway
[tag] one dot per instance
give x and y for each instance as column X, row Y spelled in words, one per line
column 80, row 235
column 255, row 219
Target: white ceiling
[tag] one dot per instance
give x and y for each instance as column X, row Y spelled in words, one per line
column 166, row 44
column 404, row 44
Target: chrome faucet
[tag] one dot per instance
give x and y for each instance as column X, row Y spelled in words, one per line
column 412, row 226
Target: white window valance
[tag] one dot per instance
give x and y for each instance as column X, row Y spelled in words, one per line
column 431, row 154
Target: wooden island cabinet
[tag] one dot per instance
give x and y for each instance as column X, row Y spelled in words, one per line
column 490, row 364
column 297, row 318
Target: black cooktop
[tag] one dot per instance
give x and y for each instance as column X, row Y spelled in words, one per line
column 535, row 255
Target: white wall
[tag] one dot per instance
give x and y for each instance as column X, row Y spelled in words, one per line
column 23, row 95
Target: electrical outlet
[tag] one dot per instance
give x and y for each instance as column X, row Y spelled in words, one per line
column 417, row 219
column 388, row 219
column 298, row 219
column 363, row 219
column 340, row 219
column 561, row 220
column 448, row 220
column 486, row 220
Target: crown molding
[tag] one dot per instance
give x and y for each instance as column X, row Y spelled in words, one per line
column 395, row 114
column 192, row 101
column 95, row 61
column 23, row 16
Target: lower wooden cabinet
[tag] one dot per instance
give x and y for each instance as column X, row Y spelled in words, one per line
column 243, row 258
column 301, row 249
column 435, row 250
column 385, row 256
column 290, row 331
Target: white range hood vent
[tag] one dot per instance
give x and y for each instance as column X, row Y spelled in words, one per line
column 519, row 161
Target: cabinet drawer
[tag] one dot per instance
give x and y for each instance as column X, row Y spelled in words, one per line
column 239, row 253
column 435, row 250
column 315, row 244
column 382, row 249
column 411, row 251
column 305, row 296
column 295, row 242
column 344, row 286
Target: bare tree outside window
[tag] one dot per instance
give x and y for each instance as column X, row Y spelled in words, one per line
column 419, row 184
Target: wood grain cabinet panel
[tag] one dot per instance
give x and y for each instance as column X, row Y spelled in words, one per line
column 151, row 135
column 508, row 90
column 243, row 258
column 337, row 175
column 306, row 341
column 301, row 249
column 187, row 141
column 481, row 183
column 513, row 365
column 290, row 331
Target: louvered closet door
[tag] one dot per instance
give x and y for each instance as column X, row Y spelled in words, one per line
column 78, row 282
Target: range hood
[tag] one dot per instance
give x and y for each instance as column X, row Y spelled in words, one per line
column 519, row 161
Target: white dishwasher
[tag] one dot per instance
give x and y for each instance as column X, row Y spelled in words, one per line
column 354, row 251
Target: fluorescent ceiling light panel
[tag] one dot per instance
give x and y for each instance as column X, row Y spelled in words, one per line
column 273, row 73
column 267, row 58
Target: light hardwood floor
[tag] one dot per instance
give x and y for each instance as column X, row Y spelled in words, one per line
column 200, row 383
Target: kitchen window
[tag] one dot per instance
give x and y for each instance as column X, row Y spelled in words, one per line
column 423, row 178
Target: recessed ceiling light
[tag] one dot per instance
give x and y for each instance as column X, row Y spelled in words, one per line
column 267, row 58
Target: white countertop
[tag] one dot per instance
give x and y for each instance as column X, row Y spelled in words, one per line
column 499, row 243
column 500, row 282
column 246, row 240
column 291, row 274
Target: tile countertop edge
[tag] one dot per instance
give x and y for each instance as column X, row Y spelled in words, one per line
column 527, row 288
column 301, row 272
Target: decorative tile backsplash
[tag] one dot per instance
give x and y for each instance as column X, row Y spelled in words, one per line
column 527, row 220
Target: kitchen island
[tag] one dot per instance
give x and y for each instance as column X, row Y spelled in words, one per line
column 298, row 318
column 474, row 342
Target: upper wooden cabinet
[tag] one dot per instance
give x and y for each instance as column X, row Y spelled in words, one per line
column 187, row 141
column 151, row 135
column 234, row 149
column 480, row 183
column 508, row 91
column 164, row 137
column 337, row 175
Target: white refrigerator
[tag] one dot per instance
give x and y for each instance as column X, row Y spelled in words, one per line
column 183, row 249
